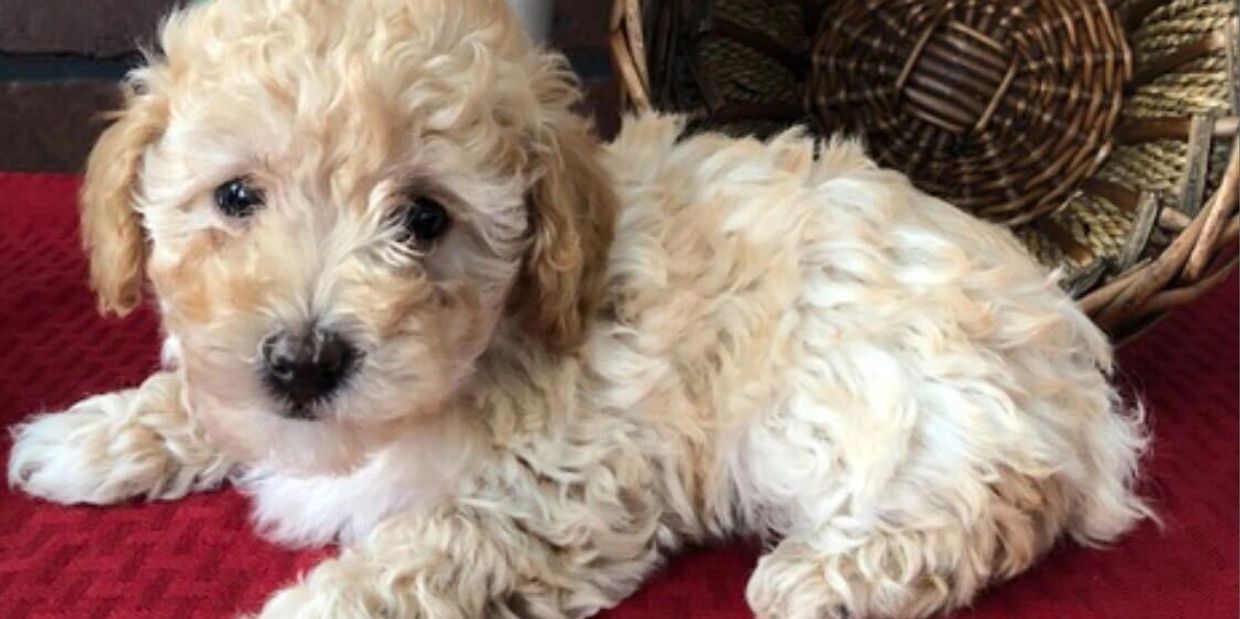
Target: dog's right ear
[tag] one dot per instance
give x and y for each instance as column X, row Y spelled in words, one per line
column 111, row 227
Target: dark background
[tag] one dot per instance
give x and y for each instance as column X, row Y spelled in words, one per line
column 60, row 61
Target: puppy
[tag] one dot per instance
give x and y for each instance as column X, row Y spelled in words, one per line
column 412, row 305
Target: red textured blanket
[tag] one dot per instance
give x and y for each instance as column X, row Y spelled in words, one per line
column 199, row 558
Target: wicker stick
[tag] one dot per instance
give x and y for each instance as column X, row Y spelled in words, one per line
column 1149, row 129
column 1148, row 211
column 1159, row 274
column 1193, row 183
column 1192, row 51
column 1169, row 299
column 1216, row 220
column 1009, row 110
column 1173, row 220
column 1232, row 41
column 628, row 52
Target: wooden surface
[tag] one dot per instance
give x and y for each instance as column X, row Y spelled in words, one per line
column 99, row 28
column 60, row 60
column 51, row 125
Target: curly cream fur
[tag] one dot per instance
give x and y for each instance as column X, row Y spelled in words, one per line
column 613, row 352
column 116, row 446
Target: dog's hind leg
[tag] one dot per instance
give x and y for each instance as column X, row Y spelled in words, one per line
column 883, row 568
column 115, row 446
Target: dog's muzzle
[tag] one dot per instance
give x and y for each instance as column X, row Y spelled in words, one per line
column 305, row 368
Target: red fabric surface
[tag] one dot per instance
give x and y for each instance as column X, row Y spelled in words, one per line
column 199, row 558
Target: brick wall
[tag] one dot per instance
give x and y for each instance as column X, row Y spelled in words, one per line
column 60, row 61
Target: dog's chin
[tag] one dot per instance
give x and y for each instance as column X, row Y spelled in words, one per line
column 292, row 440
column 296, row 411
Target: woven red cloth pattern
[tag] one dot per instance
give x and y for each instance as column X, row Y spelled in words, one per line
column 199, row 557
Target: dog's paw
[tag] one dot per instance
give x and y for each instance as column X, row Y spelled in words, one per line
column 301, row 602
column 92, row 453
column 339, row 589
column 785, row 586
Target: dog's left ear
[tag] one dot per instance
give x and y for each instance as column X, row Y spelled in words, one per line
column 572, row 210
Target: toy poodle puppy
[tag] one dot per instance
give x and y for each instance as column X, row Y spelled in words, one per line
column 412, row 305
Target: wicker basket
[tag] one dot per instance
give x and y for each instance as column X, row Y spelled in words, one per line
column 1103, row 133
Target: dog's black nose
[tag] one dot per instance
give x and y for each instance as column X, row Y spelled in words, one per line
column 306, row 367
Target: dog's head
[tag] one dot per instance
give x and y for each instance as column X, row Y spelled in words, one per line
column 338, row 204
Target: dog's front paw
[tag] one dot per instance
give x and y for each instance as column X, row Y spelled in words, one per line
column 302, row 602
column 343, row 589
column 786, row 586
column 93, row 453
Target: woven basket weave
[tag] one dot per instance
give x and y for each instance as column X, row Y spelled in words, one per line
column 1103, row 133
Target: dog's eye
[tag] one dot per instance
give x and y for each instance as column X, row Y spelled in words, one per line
column 425, row 220
column 238, row 198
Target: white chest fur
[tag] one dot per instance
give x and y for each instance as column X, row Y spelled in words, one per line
column 412, row 473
